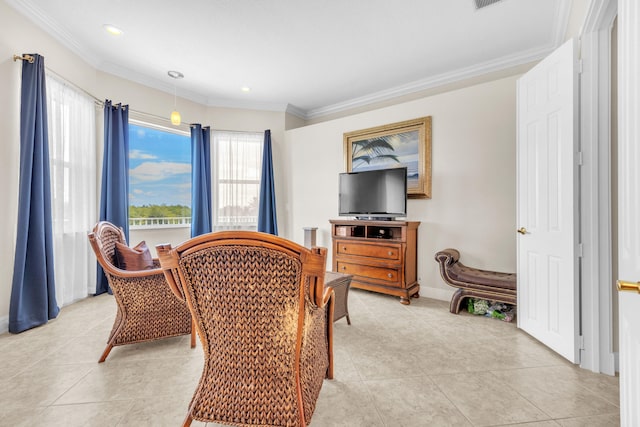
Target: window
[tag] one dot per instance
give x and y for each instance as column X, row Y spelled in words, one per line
column 159, row 177
column 72, row 156
column 236, row 169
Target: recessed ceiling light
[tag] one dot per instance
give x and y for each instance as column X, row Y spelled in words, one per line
column 245, row 89
column 112, row 29
column 175, row 74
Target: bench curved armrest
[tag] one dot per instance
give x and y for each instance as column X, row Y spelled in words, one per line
column 448, row 256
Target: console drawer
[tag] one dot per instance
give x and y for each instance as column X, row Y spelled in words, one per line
column 385, row 275
column 388, row 252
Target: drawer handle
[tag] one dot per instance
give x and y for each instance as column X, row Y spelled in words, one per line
column 390, row 253
column 344, row 248
column 344, row 267
column 389, row 275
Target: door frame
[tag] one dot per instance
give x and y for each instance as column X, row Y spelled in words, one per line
column 597, row 292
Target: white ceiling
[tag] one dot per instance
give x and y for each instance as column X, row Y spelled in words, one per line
column 311, row 58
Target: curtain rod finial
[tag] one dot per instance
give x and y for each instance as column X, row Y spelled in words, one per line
column 29, row 58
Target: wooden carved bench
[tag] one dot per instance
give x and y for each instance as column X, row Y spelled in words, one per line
column 472, row 282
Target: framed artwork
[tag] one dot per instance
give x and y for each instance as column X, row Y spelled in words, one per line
column 403, row 144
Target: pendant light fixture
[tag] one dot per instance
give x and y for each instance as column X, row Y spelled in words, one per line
column 175, row 115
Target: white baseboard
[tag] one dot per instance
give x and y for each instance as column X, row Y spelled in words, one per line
column 436, row 293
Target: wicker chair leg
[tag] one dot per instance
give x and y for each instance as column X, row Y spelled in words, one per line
column 187, row 421
column 105, row 353
column 193, row 332
column 330, row 336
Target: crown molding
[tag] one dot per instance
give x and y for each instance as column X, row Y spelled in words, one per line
column 145, row 80
column 432, row 82
column 296, row 111
column 38, row 17
column 168, row 87
column 279, row 107
column 384, row 95
column 154, row 83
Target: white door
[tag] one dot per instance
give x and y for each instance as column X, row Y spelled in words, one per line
column 629, row 209
column 547, row 264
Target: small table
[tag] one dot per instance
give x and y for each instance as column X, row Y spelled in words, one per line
column 340, row 283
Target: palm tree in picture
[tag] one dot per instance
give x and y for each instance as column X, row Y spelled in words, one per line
column 367, row 151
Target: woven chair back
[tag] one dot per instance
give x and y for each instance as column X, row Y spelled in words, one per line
column 103, row 241
column 264, row 338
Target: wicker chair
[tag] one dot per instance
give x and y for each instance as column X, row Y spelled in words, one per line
column 265, row 323
column 147, row 307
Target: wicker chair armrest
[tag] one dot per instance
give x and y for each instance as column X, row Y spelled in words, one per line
column 132, row 281
column 118, row 272
column 168, row 259
column 127, row 274
column 315, row 266
column 328, row 294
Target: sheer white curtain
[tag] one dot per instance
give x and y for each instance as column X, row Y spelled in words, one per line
column 72, row 151
column 236, row 167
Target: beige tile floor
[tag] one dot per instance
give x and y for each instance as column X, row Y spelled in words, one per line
column 396, row 365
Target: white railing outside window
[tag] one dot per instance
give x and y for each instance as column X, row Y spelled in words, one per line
column 165, row 222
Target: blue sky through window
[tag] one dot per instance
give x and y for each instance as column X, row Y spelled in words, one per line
column 159, row 167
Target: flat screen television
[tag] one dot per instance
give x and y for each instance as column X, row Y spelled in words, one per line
column 373, row 194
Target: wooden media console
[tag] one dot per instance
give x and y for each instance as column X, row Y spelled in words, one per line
column 380, row 255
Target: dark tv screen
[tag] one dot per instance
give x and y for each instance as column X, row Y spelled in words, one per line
column 374, row 194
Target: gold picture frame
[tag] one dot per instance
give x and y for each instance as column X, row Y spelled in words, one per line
column 399, row 144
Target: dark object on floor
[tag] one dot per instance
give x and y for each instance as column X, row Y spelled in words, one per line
column 497, row 310
column 472, row 282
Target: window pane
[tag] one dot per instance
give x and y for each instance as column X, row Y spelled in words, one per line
column 239, row 158
column 159, row 178
column 238, row 203
column 72, row 154
column 237, row 164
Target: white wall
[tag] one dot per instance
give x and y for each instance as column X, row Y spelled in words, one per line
column 9, row 161
column 474, row 178
column 154, row 237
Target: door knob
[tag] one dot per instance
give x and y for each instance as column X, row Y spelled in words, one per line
column 522, row 230
column 628, row 286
